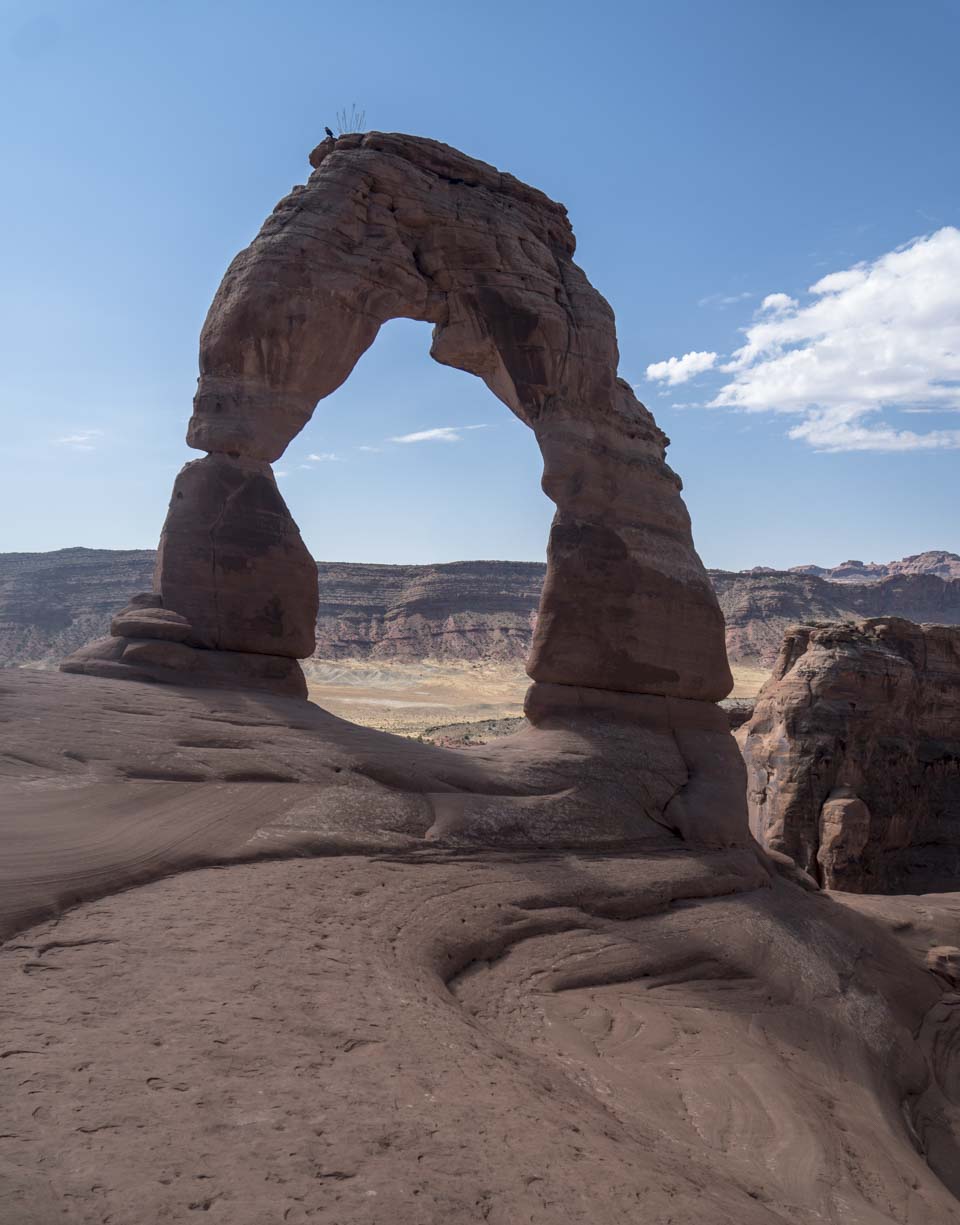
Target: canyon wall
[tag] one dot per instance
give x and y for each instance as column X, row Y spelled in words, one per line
column 53, row 603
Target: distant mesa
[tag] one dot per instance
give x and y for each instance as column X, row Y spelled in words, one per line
column 51, row 604
column 935, row 561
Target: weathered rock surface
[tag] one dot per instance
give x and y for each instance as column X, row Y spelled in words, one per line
column 360, row 1007
column 140, row 621
column 562, row 781
column 165, row 661
column 231, row 561
column 549, row 977
column 853, row 755
column 393, row 226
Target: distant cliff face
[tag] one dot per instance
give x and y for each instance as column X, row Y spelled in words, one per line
column 52, row 603
column 934, row 561
column 463, row 610
column 760, row 606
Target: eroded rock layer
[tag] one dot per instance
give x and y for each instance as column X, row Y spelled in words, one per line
column 53, row 603
column 853, row 755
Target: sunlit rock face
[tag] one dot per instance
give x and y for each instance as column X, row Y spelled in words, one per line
column 853, row 755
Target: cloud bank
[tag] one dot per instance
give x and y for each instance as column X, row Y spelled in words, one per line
column 882, row 335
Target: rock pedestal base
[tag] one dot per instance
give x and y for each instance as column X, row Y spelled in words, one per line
column 174, row 663
column 687, row 742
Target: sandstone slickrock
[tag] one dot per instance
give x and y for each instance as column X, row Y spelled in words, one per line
column 853, row 755
column 150, row 622
column 163, row 661
column 356, row 1007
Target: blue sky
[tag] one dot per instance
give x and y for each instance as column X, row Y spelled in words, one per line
column 718, row 160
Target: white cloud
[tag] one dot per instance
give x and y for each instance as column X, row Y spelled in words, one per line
column 677, row 370
column 842, row 430
column 722, row 300
column 276, row 472
column 883, row 335
column 82, row 440
column 325, row 457
column 375, row 450
column 443, row 433
column 778, row 303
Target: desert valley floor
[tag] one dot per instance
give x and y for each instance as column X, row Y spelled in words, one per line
column 426, row 697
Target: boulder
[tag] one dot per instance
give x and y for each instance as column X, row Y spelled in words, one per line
column 150, row 622
column 853, row 755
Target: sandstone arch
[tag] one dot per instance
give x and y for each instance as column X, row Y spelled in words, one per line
column 548, row 985
column 394, row 226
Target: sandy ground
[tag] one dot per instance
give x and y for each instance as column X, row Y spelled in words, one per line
column 406, row 699
column 410, row 699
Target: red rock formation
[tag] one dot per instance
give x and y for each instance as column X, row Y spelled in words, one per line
column 393, row 226
column 853, row 755
column 232, row 562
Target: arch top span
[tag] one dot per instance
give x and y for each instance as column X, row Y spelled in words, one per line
column 392, row 226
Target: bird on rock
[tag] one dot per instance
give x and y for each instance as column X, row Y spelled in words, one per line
column 329, row 133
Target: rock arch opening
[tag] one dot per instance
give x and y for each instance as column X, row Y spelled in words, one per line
column 414, row 463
